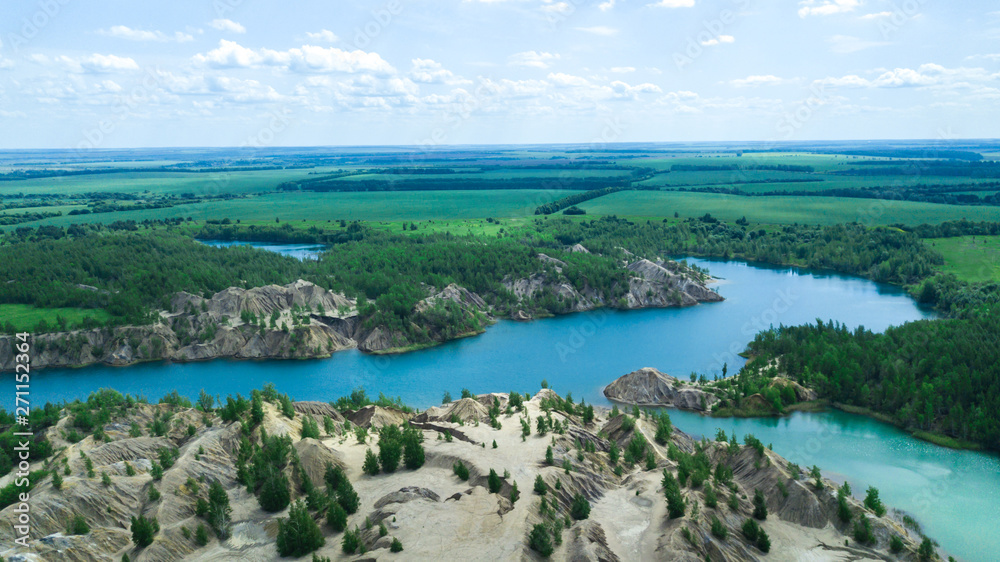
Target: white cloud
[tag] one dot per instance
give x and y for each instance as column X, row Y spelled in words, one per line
column 6, row 63
column 606, row 5
column 673, row 4
column 427, row 71
column 532, row 59
column 718, row 40
column 758, row 80
column 826, row 7
column 849, row 44
column 624, row 90
column 925, row 75
column 124, row 32
column 93, row 64
column 227, row 25
column 550, row 7
column 567, row 80
column 602, row 30
column 306, row 59
column 876, row 15
column 324, row 35
column 990, row 57
column 622, row 69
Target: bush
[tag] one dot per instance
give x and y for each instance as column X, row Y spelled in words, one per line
column 493, row 482
column 763, row 542
column 390, row 449
column 201, row 535
column 873, row 502
column 759, row 505
column 351, row 541
column 751, row 530
column 77, row 526
column 540, row 540
column 413, row 451
column 863, row 531
column 514, row 493
column 460, row 470
column 336, row 517
column 143, row 530
column 218, row 514
column 579, row 509
column 718, row 529
column 540, row 488
column 298, row 534
column 347, row 497
column 396, row 546
column 310, row 429
column 371, row 466
column 672, row 490
column 896, row 544
column 275, row 494
column 926, row 551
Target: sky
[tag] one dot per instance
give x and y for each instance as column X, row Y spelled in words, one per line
column 118, row 74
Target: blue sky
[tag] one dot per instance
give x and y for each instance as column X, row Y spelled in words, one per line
column 111, row 73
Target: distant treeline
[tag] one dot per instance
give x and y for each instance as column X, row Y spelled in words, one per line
column 945, row 194
column 931, row 168
column 7, row 220
column 912, row 153
column 17, row 175
column 741, row 167
column 560, row 204
column 471, row 184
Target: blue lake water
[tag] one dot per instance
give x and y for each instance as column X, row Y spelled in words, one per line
column 298, row 251
column 954, row 494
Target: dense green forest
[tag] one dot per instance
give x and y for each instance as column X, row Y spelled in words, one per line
column 939, row 376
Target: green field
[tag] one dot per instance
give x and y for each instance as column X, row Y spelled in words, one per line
column 368, row 206
column 783, row 210
column 25, row 317
column 970, row 258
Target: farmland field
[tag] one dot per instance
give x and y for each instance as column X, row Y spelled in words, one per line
column 970, row 258
column 783, row 210
column 26, row 317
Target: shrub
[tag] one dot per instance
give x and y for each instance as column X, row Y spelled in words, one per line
column 390, row 449
column 460, row 470
column 579, row 509
column 549, row 460
column 759, row 505
column 351, row 541
column 201, row 535
column 347, row 497
column 493, row 482
column 298, row 534
column 540, row 541
column 751, row 529
column 77, row 526
column 896, row 544
column 672, row 490
column 763, row 542
column 540, row 488
column 371, row 466
column 396, row 546
column 873, row 502
column 275, row 494
column 718, row 529
column 336, row 517
column 143, row 530
column 413, row 450
column 310, row 429
column 863, row 531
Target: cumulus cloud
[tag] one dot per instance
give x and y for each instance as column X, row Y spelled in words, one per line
column 93, row 64
column 306, row 59
column 324, row 35
column 925, row 75
column 876, row 15
column 826, row 7
column 718, row 40
column 567, row 80
column 427, row 71
column 758, row 80
column 622, row 69
column 125, row 32
column 227, row 25
column 532, row 59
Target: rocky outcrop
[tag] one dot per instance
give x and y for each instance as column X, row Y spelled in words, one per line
column 433, row 513
column 649, row 387
column 659, row 284
column 467, row 410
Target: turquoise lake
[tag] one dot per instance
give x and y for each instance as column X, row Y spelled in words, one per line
column 297, row 251
column 955, row 495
